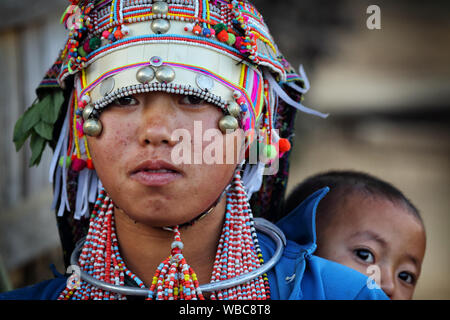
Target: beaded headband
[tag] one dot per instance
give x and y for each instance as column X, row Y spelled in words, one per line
column 218, row 50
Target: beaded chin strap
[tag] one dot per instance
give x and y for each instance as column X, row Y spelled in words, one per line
column 238, row 253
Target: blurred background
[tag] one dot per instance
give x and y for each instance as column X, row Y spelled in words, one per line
column 387, row 91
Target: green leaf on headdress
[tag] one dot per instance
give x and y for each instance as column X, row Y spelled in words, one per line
column 37, row 145
column 50, row 105
column 20, row 136
column 39, row 121
column 24, row 126
column 30, row 117
column 45, row 130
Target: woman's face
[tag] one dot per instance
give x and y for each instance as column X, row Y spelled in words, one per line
column 137, row 156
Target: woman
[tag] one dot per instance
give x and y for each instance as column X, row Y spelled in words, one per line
column 171, row 123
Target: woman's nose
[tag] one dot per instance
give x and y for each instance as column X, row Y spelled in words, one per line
column 157, row 120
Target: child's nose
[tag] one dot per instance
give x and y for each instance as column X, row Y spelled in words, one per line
column 388, row 283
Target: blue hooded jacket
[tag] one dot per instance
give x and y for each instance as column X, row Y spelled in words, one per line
column 298, row 275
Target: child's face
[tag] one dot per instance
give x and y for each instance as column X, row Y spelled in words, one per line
column 364, row 230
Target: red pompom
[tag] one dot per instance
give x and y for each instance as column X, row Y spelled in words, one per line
column 197, row 29
column 90, row 164
column 118, row 34
column 222, row 36
column 284, row 145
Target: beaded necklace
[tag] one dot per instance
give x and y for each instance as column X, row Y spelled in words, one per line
column 238, row 252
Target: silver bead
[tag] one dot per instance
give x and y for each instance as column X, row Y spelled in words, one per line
column 228, row 123
column 107, row 86
column 92, row 127
column 165, row 74
column 160, row 26
column 160, row 7
column 87, row 111
column 145, row 74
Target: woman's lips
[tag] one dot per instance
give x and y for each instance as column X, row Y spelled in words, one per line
column 155, row 173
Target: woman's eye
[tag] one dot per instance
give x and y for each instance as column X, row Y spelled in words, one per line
column 192, row 100
column 406, row 277
column 126, row 101
column 365, row 255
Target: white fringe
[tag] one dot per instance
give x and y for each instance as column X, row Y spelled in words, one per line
column 283, row 95
column 252, row 177
column 303, row 75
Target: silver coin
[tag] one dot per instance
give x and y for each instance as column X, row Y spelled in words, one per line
column 204, row 82
column 107, row 86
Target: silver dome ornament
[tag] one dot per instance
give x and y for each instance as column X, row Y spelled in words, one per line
column 107, row 86
column 228, row 123
column 87, row 111
column 165, row 74
column 92, row 127
column 234, row 109
column 160, row 26
column 160, row 7
column 145, row 74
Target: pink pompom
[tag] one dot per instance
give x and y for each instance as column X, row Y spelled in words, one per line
column 78, row 164
column 240, row 100
column 105, row 34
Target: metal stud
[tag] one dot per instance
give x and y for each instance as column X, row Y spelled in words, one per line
column 160, row 26
column 160, row 7
column 107, row 86
column 156, row 61
column 165, row 74
column 228, row 123
column 92, row 127
column 145, row 74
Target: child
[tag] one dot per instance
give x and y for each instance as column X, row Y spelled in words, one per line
column 365, row 221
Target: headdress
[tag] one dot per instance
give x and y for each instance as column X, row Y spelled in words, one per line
column 219, row 50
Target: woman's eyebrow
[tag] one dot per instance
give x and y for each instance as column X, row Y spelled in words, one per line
column 370, row 235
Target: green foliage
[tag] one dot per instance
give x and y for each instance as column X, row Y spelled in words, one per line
column 38, row 122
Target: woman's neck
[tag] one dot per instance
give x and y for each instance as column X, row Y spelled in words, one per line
column 144, row 247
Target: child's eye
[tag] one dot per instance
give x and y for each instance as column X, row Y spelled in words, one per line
column 365, row 255
column 126, row 101
column 407, row 277
column 192, row 100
